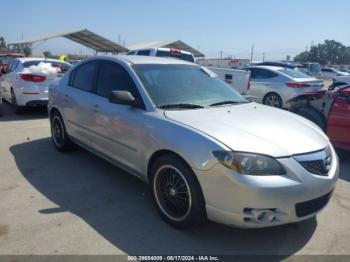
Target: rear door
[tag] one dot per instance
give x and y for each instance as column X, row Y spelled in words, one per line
column 79, row 101
column 338, row 128
column 262, row 81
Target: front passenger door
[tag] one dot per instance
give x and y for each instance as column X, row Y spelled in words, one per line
column 118, row 129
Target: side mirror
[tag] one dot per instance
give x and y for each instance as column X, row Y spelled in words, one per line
column 122, row 98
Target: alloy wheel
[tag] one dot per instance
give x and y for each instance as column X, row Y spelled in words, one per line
column 172, row 193
column 273, row 100
column 57, row 131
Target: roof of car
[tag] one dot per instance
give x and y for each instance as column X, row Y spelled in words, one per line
column 275, row 68
column 161, row 49
column 27, row 59
column 137, row 59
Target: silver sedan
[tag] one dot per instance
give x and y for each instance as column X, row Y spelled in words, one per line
column 206, row 152
column 275, row 86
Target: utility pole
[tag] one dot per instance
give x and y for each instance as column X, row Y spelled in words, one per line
column 252, row 54
column 221, row 54
column 119, row 39
column 263, row 56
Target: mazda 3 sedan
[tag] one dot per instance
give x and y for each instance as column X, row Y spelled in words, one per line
column 206, row 152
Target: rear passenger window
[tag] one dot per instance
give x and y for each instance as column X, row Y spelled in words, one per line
column 144, row 52
column 114, row 77
column 83, row 76
column 258, row 73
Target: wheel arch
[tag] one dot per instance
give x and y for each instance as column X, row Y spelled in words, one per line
column 52, row 111
column 159, row 153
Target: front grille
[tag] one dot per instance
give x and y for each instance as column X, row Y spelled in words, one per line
column 316, row 166
column 318, row 163
column 309, row 207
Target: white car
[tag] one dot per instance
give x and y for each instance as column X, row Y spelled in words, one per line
column 27, row 80
column 164, row 52
column 275, row 86
column 330, row 73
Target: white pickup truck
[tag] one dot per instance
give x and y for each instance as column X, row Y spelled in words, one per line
column 238, row 79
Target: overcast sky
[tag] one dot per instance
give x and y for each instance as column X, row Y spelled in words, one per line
column 276, row 27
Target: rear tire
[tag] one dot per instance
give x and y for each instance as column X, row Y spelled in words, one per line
column 16, row 108
column 176, row 193
column 313, row 115
column 273, row 99
column 59, row 134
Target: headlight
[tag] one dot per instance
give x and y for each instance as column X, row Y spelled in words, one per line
column 250, row 164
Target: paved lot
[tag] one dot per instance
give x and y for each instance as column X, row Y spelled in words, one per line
column 76, row 203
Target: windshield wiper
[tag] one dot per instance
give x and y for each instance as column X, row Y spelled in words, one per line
column 228, row 102
column 186, row 106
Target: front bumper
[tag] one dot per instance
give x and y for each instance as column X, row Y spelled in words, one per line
column 234, row 199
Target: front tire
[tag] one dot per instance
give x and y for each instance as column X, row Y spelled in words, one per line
column 313, row 115
column 176, row 193
column 59, row 134
column 273, row 99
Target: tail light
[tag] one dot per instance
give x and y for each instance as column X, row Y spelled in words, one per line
column 33, row 78
column 297, row 85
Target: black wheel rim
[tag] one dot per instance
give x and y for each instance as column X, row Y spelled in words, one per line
column 57, row 131
column 172, row 193
column 273, row 100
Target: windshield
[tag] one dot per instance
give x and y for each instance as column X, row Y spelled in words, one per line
column 294, row 73
column 185, row 85
column 62, row 66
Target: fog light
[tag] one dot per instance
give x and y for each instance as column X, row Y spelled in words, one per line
column 263, row 216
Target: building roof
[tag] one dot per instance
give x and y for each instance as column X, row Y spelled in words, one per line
column 168, row 44
column 83, row 37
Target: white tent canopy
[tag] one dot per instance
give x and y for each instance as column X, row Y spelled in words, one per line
column 83, row 37
column 167, row 44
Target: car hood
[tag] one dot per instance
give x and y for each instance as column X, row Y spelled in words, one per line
column 254, row 128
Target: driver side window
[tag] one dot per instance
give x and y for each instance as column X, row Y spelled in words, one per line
column 113, row 77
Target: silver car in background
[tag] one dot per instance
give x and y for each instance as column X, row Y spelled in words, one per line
column 206, row 152
column 274, row 86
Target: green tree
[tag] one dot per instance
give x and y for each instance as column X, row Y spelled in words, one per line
column 330, row 52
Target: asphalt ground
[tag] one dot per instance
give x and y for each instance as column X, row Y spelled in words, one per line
column 77, row 203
